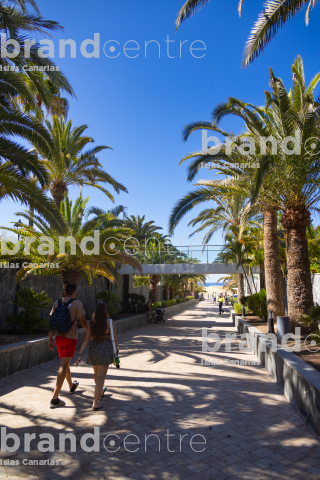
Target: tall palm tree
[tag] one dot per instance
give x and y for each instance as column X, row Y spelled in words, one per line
column 275, row 14
column 68, row 164
column 75, row 263
column 285, row 181
column 240, row 168
column 230, row 211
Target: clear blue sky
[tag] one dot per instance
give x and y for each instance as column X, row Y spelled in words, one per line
column 139, row 106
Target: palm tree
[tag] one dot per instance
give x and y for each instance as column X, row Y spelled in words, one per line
column 46, row 94
column 141, row 229
column 240, row 168
column 68, row 164
column 231, row 211
column 17, row 23
column 275, row 14
column 18, row 187
column 74, row 263
column 285, row 181
column 18, row 162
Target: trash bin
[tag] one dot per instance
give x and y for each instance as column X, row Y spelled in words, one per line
column 283, row 327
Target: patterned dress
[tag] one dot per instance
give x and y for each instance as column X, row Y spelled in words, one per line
column 100, row 352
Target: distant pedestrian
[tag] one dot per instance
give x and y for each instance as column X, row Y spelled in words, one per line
column 220, row 304
column 68, row 310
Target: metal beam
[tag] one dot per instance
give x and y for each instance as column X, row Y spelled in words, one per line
column 186, row 268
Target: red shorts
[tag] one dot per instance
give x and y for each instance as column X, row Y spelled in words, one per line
column 66, row 346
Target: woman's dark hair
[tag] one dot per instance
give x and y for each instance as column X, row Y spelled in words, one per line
column 99, row 322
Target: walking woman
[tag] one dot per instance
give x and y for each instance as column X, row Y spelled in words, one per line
column 100, row 354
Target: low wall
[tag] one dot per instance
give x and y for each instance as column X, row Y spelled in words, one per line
column 22, row 356
column 299, row 380
column 53, row 286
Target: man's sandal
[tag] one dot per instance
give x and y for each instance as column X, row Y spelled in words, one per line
column 97, row 408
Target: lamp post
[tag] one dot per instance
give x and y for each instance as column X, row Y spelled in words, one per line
column 271, row 321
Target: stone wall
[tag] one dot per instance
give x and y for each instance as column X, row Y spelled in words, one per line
column 299, row 380
column 25, row 355
column 52, row 285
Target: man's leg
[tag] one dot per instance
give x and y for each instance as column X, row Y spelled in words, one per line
column 68, row 377
column 64, row 367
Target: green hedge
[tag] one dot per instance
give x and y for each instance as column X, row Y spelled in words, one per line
column 258, row 304
column 170, row 303
column 238, row 308
column 182, row 299
column 156, row 305
column 190, row 298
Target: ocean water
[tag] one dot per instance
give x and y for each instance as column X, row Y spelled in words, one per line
column 208, row 284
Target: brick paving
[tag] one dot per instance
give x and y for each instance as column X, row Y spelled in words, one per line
column 249, row 428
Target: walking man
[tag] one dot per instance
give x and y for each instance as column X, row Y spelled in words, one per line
column 68, row 311
column 220, row 304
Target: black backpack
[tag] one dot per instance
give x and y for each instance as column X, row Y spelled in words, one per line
column 60, row 320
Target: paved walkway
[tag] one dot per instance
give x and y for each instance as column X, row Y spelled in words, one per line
column 250, row 429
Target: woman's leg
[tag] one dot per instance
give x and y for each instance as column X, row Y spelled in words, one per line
column 95, row 373
column 101, row 375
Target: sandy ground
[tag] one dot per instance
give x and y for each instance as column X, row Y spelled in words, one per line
column 215, row 288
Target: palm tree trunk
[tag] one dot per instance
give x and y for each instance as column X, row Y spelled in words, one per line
column 70, row 276
column 240, row 285
column 252, row 277
column 31, row 210
column 246, row 277
column 171, row 293
column 57, row 191
column 154, row 280
column 299, row 285
column 272, row 264
column 165, row 292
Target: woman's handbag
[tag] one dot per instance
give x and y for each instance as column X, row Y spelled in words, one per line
column 116, row 359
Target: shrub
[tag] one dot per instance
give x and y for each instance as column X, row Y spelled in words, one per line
column 155, row 305
column 243, row 300
column 315, row 268
column 132, row 300
column 257, row 303
column 191, row 297
column 110, row 299
column 238, row 308
column 182, row 299
column 29, row 302
column 311, row 320
column 170, row 303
